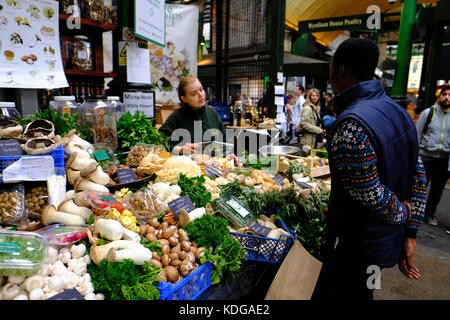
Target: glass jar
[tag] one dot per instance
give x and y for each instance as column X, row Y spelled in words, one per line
column 110, row 7
column 70, row 7
column 101, row 118
column 117, row 105
column 64, row 104
column 8, row 109
column 81, row 53
column 94, row 10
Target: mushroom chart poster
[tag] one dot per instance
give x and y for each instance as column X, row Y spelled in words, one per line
column 30, row 55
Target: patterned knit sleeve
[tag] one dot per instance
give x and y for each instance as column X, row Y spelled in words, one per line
column 418, row 200
column 356, row 163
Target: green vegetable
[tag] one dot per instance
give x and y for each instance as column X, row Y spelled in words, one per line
column 125, row 280
column 194, row 188
column 132, row 129
column 152, row 245
column 207, row 231
column 227, row 258
column 295, row 168
column 28, row 252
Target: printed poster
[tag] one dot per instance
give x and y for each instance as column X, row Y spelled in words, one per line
column 30, row 53
column 178, row 58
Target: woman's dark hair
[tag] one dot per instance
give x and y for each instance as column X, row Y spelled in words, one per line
column 358, row 55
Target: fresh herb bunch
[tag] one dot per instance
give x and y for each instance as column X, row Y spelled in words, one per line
column 295, row 168
column 125, row 280
column 63, row 122
column 227, row 258
column 194, row 188
column 208, row 231
column 248, row 196
column 132, row 129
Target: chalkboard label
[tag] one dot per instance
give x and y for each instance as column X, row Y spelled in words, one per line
column 183, row 202
column 126, row 175
column 304, row 185
column 259, row 229
column 71, row 294
column 279, row 179
column 101, row 155
column 320, row 162
column 10, row 147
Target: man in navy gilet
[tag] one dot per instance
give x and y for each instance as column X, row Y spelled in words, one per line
column 378, row 183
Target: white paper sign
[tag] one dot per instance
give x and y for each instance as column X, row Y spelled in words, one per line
column 150, row 22
column 34, row 168
column 138, row 65
column 280, row 109
column 279, row 89
column 280, row 77
column 279, row 101
column 30, row 53
column 140, row 101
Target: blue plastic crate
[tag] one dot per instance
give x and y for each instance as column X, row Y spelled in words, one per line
column 266, row 249
column 190, row 287
column 57, row 154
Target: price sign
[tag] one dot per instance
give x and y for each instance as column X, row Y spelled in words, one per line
column 304, row 185
column 101, row 155
column 126, row 175
column 10, row 147
column 259, row 229
column 279, row 179
column 71, row 294
column 181, row 203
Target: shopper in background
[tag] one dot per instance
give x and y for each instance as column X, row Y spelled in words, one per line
column 433, row 132
column 330, row 117
column 246, row 99
column 310, row 122
column 328, row 98
column 289, row 106
column 378, row 183
column 297, row 112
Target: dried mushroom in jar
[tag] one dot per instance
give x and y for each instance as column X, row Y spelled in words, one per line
column 36, row 199
column 145, row 204
column 11, row 207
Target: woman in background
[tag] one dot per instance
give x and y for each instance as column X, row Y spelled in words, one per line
column 310, row 123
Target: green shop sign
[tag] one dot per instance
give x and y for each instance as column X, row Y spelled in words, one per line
column 367, row 22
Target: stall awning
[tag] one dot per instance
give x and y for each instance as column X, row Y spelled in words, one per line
column 319, row 9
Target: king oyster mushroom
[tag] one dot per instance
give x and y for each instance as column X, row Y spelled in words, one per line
column 8, row 129
column 39, row 129
column 39, row 146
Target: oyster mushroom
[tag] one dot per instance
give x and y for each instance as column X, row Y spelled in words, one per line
column 95, row 173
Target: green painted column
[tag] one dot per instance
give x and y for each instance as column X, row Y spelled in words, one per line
column 399, row 88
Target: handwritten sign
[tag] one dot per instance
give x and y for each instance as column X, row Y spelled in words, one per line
column 10, row 147
column 259, row 229
column 71, row 294
column 279, row 179
column 304, row 185
column 125, row 175
column 181, row 203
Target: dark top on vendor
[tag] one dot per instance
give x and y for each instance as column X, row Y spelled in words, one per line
column 193, row 108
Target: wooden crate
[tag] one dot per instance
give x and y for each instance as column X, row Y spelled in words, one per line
column 314, row 172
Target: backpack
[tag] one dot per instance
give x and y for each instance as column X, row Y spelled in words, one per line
column 430, row 116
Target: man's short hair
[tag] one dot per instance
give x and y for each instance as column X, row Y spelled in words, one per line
column 301, row 88
column 359, row 56
column 444, row 88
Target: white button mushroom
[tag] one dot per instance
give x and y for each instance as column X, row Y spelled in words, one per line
column 86, row 278
column 34, row 282
column 78, row 250
column 16, row 279
column 64, row 255
column 90, row 296
column 10, row 291
column 37, row 294
column 85, row 288
column 80, row 268
column 57, row 283
column 99, row 296
column 50, row 254
column 21, row 297
column 45, row 269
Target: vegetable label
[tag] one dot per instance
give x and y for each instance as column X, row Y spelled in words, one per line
column 71, row 294
column 126, row 175
column 181, row 203
column 9, row 247
column 10, row 147
column 101, row 155
column 259, row 229
column 304, row 185
column 240, row 209
column 279, row 179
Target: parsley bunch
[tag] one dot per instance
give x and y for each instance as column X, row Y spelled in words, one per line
column 194, row 188
column 208, row 231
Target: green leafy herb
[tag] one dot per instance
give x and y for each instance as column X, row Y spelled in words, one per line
column 295, row 168
column 132, row 129
column 125, row 280
column 208, row 231
column 152, row 245
column 28, row 250
column 194, row 188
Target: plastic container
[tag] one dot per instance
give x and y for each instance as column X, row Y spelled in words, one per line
column 235, row 212
column 81, row 54
column 21, row 253
column 115, row 102
column 94, row 10
column 266, row 249
column 59, row 234
column 101, row 118
column 102, row 202
column 8, row 109
column 110, row 7
column 57, row 155
column 64, row 104
column 190, row 287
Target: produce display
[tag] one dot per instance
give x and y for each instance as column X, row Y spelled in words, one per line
column 133, row 240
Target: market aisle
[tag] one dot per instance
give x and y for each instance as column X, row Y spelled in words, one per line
column 432, row 259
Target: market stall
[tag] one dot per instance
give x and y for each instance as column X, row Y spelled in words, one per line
column 119, row 217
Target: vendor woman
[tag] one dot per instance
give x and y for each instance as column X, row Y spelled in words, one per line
column 193, row 108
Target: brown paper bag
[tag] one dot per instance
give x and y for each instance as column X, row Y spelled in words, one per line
column 297, row 276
